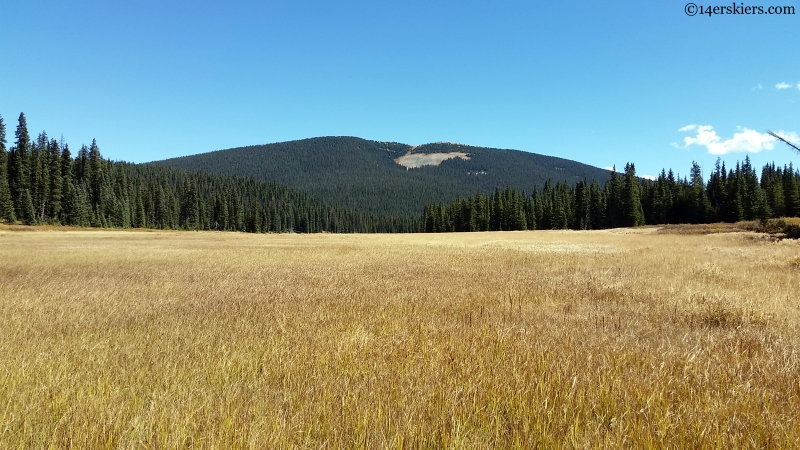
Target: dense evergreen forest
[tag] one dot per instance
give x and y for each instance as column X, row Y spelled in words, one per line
column 363, row 175
column 40, row 182
column 730, row 195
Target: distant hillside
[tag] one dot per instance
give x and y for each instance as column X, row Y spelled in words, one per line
column 364, row 175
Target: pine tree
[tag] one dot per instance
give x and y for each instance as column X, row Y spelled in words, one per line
column 6, row 203
column 791, row 192
column 632, row 213
column 530, row 213
column 760, row 206
column 190, row 207
column 76, row 205
column 582, row 208
column 560, row 221
column 66, row 166
column 699, row 203
column 597, row 207
column 140, row 216
column 661, row 200
column 28, row 214
column 715, row 191
column 772, row 183
column 734, row 209
column 81, row 167
column 56, row 182
column 749, row 186
column 95, row 174
column 19, row 165
column 613, row 194
column 161, row 209
column 40, row 176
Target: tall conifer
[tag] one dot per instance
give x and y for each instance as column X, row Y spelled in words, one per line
column 6, row 203
column 632, row 213
column 56, row 181
column 19, row 165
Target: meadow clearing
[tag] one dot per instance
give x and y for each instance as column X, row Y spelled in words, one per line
column 627, row 338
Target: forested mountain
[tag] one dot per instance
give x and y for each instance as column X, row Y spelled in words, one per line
column 40, row 182
column 363, row 175
column 625, row 201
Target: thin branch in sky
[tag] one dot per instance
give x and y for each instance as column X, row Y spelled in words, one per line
column 784, row 140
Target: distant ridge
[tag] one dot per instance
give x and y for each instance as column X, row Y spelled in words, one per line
column 363, row 175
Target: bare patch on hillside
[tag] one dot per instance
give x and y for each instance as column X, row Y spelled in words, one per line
column 415, row 160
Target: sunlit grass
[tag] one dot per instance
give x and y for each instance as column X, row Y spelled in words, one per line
column 621, row 338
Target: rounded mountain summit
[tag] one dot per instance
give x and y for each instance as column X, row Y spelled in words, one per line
column 388, row 177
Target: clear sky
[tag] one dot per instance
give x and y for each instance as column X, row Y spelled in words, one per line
column 600, row 82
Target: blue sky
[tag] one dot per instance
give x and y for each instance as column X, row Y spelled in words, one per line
column 599, row 82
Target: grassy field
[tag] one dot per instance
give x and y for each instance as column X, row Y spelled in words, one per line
column 621, row 338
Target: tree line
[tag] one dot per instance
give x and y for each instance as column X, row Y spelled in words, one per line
column 41, row 182
column 730, row 195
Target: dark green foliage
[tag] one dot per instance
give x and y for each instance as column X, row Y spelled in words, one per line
column 629, row 201
column 613, row 194
column 7, row 213
column 27, row 214
column 55, row 183
column 41, row 182
column 76, row 205
column 6, row 204
column 597, row 207
column 363, row 175
column 40, row 175
column 791, row 192
column 49, row 186
column 19, row 165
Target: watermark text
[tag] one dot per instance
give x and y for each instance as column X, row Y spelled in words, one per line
column 693, row 9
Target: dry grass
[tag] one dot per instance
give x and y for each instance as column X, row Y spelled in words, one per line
column 780, row 228
column 616, row 339
column 710, row 228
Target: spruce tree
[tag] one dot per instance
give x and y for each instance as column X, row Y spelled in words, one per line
column 28, row 214
column 96, row 175
column 560, row 221
column 632, row 213
column 6, row 204
column 56, row 181
column 19, row 165
column 699, row 203
column 40, row 175
column 761, row 208
column 140, row 216
column 66, row 166
column 791, row 192
column 775, row 197
column 597, row 207
column 583, row 215
column 613, row 194
column 76, row 205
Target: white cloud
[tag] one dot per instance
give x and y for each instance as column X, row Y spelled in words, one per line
column 745, row 140
column 609, row 168
column 648, row 177
column 758, row 87
column 780, row 86
column 798, row 86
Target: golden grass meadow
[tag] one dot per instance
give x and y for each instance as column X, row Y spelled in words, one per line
column 629, row 338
